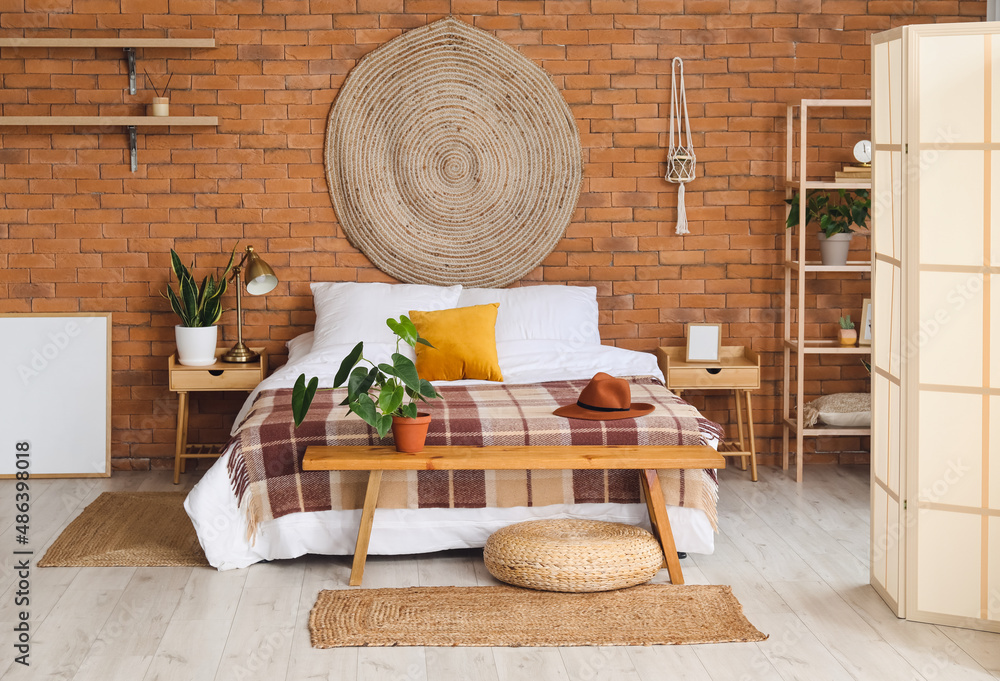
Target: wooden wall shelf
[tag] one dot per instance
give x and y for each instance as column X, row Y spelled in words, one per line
column 130, row 123
column 144, row 121
column 108, row 42
column 127, row 44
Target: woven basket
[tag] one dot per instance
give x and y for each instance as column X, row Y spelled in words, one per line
column 572, row 555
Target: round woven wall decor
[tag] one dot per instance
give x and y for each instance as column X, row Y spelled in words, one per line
column 452, row 158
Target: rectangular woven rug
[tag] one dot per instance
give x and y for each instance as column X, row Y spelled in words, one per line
column 129, row 529
column 507, row 616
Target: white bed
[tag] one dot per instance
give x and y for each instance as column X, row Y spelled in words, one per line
column 221, row 525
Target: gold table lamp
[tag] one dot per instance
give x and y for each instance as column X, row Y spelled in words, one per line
column 259, row 279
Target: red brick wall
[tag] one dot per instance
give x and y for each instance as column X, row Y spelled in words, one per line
column 81, row 232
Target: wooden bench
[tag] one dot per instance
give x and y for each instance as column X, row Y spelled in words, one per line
column 643, row 458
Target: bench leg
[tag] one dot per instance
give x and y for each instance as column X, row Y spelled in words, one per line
column 657, row 508
column 365, row 529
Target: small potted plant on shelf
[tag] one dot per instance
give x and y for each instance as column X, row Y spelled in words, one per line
column 839, row 215
column 848, row 334
column 199, row 308
column 377, row 393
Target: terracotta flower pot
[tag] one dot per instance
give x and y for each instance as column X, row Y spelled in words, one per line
column 410, row 434
column 848, row 336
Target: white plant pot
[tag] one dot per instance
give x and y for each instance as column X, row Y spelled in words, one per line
column 196, row 345
column 833, row 250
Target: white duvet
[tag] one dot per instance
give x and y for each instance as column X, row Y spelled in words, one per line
column 221, row 526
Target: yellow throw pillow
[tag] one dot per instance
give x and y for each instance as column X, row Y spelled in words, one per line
column 464, row 340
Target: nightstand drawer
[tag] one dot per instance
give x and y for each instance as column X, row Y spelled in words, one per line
column 217, row 377
column 692, row 378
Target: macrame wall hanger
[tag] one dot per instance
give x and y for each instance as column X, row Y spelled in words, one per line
column 680, row 156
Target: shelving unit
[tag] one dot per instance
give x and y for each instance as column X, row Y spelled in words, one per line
column 130, row 123
column 795, row 343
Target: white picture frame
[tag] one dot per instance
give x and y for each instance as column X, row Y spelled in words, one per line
column 704, row 343
column 55, row 369
column 865, row 332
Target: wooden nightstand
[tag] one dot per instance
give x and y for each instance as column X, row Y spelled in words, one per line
column 220, row 376
column 738, row 371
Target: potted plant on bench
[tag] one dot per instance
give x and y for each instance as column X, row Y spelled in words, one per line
column 377, row 393
column 839, row 219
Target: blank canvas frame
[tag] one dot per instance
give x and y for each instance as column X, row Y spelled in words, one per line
column 55, row 373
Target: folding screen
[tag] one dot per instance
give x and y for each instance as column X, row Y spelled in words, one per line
column 936, row 379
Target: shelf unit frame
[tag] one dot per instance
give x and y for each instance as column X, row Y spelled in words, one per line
column 795, row 266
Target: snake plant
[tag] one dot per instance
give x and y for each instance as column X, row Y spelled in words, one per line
column 197, row 305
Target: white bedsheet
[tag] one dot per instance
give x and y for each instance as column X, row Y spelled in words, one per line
column 221, row 525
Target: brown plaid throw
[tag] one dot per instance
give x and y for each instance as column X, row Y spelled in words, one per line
column 265, row 466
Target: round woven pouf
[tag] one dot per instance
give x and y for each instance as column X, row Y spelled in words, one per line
column 572, row 555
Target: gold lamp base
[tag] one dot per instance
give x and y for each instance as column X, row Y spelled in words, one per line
column 240, row 354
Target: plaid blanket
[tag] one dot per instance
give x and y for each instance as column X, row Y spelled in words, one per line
column 265, row 465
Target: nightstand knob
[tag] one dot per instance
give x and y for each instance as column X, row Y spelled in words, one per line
column 216, row 372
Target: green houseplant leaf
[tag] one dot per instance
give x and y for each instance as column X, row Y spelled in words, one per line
column 196, row 305
column 302, row 397
column 377, row 392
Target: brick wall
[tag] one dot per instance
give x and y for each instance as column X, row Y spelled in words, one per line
column 82, row 233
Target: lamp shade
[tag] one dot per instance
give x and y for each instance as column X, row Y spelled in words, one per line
column 259, row 276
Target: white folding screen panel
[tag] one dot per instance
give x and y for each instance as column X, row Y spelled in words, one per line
column 56, row 376
column 887, row 536
column 936, row 345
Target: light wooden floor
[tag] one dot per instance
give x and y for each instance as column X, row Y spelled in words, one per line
column 795, row 555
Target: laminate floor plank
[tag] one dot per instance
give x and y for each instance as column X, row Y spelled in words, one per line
column 306, row 663
column 677, row 663
column 461, row 664
column 190, row 650
column 397, row 664
column 599, row 664
column 530, row 664
column 260, row 639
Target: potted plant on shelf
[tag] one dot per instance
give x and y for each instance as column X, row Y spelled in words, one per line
column 847, row 333
column 839, row 215
column 377, row 394
column 199, row 308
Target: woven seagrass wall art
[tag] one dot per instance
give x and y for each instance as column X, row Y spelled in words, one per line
column 452, row 158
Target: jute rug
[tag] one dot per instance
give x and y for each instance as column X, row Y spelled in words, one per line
column 129, row 529
column 452, row 158
column 507, row 616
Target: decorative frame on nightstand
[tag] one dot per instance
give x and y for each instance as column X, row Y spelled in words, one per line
column 217, row 377
column 738, row 370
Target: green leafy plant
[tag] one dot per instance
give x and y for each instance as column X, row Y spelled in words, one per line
column 845, row 211
column 375, row 393
column 846, row 323
column 197, row 305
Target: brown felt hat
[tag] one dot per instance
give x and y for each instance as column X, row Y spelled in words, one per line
column 605, row 398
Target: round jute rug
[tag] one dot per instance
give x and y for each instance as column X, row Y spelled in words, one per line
column 451, row 158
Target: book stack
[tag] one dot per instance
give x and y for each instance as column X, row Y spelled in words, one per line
column 855, row 174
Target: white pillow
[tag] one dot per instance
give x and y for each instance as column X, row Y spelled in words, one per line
column 567, row 313
column 299, row 347
column 349, row 312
